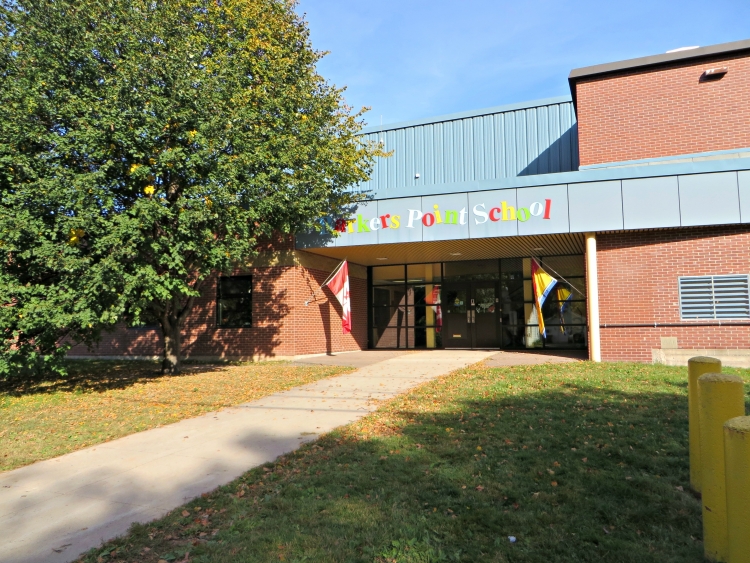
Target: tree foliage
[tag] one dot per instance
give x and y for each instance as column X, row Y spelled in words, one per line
column 145, row 146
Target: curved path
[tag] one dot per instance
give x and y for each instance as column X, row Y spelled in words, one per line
column 54, row 510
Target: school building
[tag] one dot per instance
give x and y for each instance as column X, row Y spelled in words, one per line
column 633, row 193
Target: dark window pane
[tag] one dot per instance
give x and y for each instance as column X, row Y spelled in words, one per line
column 511, row 336
column 235, row 301
column 512, row 313
column 564, row 306
column 393, row 296
column 417, row 273
column 420, row 338
column 565, row 266
column 416, row 295
column 511, row 280
column 417, row 316
column 388, row 317
column 387, row 274
column 424, row 294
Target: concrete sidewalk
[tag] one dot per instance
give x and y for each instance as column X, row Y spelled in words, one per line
column 54, row 510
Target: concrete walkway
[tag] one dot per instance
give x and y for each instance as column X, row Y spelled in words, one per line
column 55, row 510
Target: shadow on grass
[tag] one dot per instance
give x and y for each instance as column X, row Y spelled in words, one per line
column 99, row 375
column 574, row 471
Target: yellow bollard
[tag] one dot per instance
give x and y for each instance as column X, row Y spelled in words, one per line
column 721, row 397
column 696, row 367
column 737, row 462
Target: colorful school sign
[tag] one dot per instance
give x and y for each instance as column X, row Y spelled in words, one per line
column 447, row 217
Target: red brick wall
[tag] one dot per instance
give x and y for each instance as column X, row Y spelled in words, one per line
column 282, row 324
column 638, row 274
column 664, row 111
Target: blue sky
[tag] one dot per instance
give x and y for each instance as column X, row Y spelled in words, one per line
column 409, row 59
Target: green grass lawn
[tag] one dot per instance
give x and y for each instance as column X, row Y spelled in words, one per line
column 104, row 400
column 579, row 462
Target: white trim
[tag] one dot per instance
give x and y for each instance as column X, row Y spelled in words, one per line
column 592, row 290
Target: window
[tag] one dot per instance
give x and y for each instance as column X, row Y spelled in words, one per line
column 715, row 297
column 235, row 302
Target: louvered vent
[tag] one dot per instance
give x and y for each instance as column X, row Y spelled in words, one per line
column 715, row 297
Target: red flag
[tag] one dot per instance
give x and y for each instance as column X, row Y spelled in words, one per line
column 339, row 285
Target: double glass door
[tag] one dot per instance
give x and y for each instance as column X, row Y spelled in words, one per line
column 470, row 314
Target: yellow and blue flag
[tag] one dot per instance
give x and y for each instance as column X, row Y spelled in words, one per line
column 564, row 295
column 542, row 284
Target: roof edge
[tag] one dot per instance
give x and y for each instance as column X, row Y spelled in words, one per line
column 663, row 58
column 466, row 114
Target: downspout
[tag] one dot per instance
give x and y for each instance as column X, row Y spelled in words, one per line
column 592, row 290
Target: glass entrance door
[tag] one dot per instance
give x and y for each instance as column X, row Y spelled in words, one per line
column 470, row 315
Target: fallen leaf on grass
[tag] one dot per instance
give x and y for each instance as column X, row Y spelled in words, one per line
column 554, row 483
column 185, row 513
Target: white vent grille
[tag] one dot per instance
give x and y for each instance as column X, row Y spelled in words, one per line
column 715, row 297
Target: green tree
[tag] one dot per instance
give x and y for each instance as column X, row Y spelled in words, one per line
column 145, row 146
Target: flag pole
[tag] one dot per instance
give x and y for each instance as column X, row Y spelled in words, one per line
column 336, row 271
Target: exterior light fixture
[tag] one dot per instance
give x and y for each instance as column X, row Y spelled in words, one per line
column 383, row 258
column 416, row 175
column 455, row 254
column 716, row 72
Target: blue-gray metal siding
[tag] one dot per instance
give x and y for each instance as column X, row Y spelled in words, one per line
column 541, row 139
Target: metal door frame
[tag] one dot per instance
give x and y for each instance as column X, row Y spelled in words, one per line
column 470, row 286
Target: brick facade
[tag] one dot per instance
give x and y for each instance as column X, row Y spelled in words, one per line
column 664, row 110
column 638, row 274
column 282, row 325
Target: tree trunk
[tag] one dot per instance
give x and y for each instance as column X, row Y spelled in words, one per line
column 172, row 349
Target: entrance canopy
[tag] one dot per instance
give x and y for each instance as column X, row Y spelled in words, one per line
column 457, row 250
column 598, row 200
